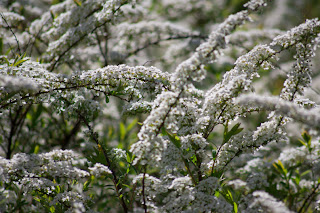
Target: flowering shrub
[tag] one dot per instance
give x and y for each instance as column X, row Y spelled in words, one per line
column 159, row 106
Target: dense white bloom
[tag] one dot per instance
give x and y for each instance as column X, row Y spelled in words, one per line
column 11, row 84
column 147, row 135
column 207, row 51
column 292, row 155
column 67, row 197
column 296, row 34
column 92, row 14
column 46, row 84
column 238, row 184
column 10, row 18
column 268, row 203
column 257, row 181
column 255, row 165
column 99, row 170
column 182, row 157
column 57, row 163
column 192, row 68
column 255, row 4
column 310, row 117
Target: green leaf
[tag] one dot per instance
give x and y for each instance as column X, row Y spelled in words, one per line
column 6, row 60
column 279, row 166
column 306, row 136
column 8, row 51
column 307, row 140
column 1, row 45
column 227, row 194
column 305, row 173
column 122, row 131
column 174, row 139
column 110, row 132
column 86, row 185
column 77, row 2
column 214, row 154
column 230, row 195
column 303, row 143
column 235, row 207
column 19, row 60
column 107, row 99
column 132, row 124
column 128, row 157
column 36, row 149
column 127, row 186
column 228, row 134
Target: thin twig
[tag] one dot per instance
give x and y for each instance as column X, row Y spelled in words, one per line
column 18, row 47
column 104, row 54
column 115, row 180
column 306, row 201
column 133, row 52
column 143, row 191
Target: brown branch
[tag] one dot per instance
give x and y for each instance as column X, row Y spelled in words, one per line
column 18, row 46
column 70, row 135
column 16, row 125
column 115, row 180
column 143, row 191
column 158, row 41
column 104, row 54
column 308, row 200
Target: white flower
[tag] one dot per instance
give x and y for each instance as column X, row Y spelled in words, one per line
column 99, row 170
column 268, row 203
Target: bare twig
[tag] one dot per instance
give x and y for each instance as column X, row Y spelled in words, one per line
column 308, row 200
column 115, row 180
column 143, row 191
column 18, row 46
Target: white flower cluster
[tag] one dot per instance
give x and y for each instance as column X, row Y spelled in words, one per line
column 57, row 163
column 236, row 81
column 308, row 156
column 148, row 139
column 183, row 8
column 207, row 52
column 267, row 203
column 181, row 159
column 309, row 117
column 99, row 170
column 9, row 18
column 43, row 86
column 255, row 4
column 181, row 195
column 11, row 84
column 191, row 69
column 238, row 184
column 39, row 172
column 297, row 34
column 68, row 32
column 147, row 33
column 73, row 199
